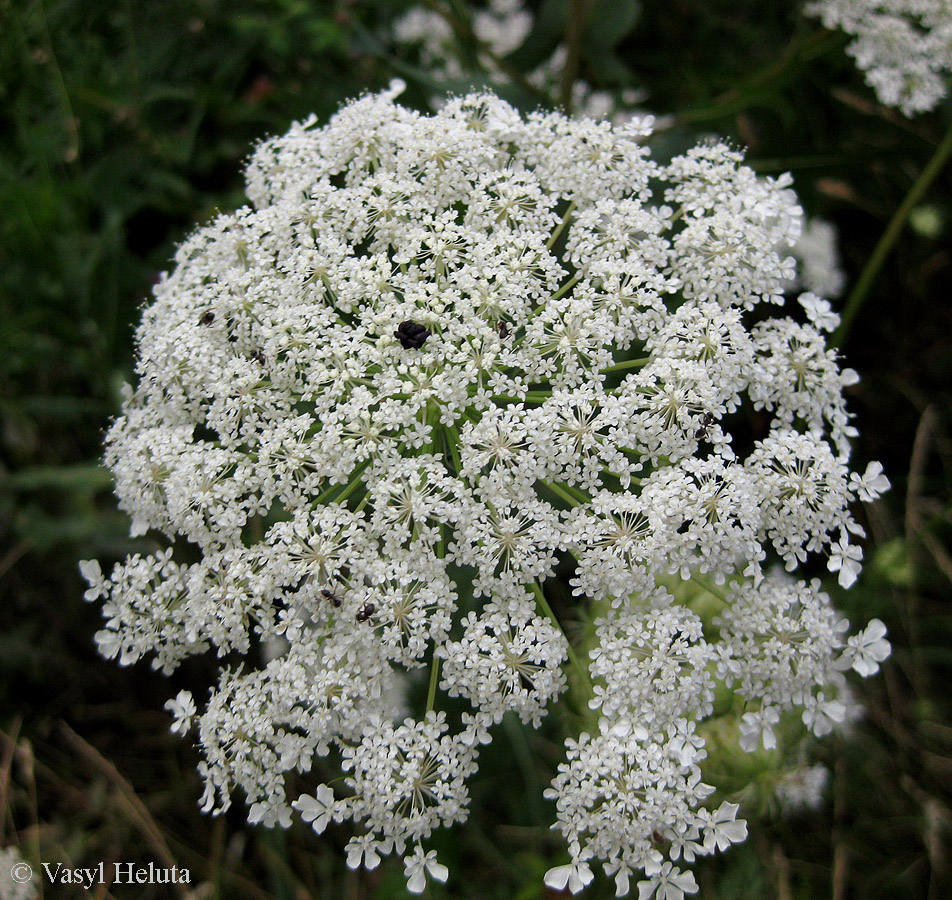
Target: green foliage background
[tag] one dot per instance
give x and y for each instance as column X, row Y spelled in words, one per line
column 124, row 124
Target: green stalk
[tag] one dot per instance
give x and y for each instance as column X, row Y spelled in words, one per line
column 351, row 487
column 573, row 496
column 859, row 293
column 561, row 226
column 452, row 443
column 574, row 37
column 435, row 661
column 627, row 364
column 574, row 660
column 574, row 280
column 434, row 680
column 702, row 582
column 331, row 495
column 530, row 397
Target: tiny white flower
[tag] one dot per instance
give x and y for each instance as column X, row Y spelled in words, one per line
column 866, row 650
column 98, row 585
column 109, row 643
column 824, row 715
column 182, row 709
column 846, row 559
column 872, row 484
column 819, row 312
column 269, row 813
column 757, row 728
column 289, row 624
column 318, row 810
column 669, row 883
column 362, row 853
column 420, row 865
column 574, row 876
column 723, row 828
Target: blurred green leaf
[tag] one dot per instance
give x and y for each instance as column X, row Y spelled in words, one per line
column 80, row 477
column 609, row 22
column 891, row 561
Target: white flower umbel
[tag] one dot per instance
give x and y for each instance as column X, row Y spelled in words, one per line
column 818, row 254
column 375, row 409
column 903, row 46
column 499, row 27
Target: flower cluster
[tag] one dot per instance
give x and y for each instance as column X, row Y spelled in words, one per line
column 498, row 28
column 818, row 254
column 903, row 46
column 437, row 355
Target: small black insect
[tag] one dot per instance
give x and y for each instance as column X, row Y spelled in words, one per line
column 207, row 318
column 258, row 357
column 706, row 422
column 332, row 597
column 412, row 335
column 365, row 612
column 502, row 329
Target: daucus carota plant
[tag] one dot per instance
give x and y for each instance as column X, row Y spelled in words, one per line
column 435, row 355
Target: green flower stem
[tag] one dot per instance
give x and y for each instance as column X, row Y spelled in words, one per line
column 573, row 496
column 453, row 439
column 352, row 486
column 859, row 293
column 714, row 591
column 432, row 417
column 574, row 280
column 560, row 492
column 627, row 364
column 574, row 38
column 435, row 661
column 566, row 218
column 332, row 495
column 434, row 681
column 538, row 396
column 580, row 670
column 530, row 397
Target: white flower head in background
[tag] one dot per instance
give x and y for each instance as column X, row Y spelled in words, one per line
column 904, row 47
column 802, row 788
column 435, row 356
column 498, row 28
column 819, row 257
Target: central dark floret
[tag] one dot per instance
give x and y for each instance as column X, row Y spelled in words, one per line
column 411, row 335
